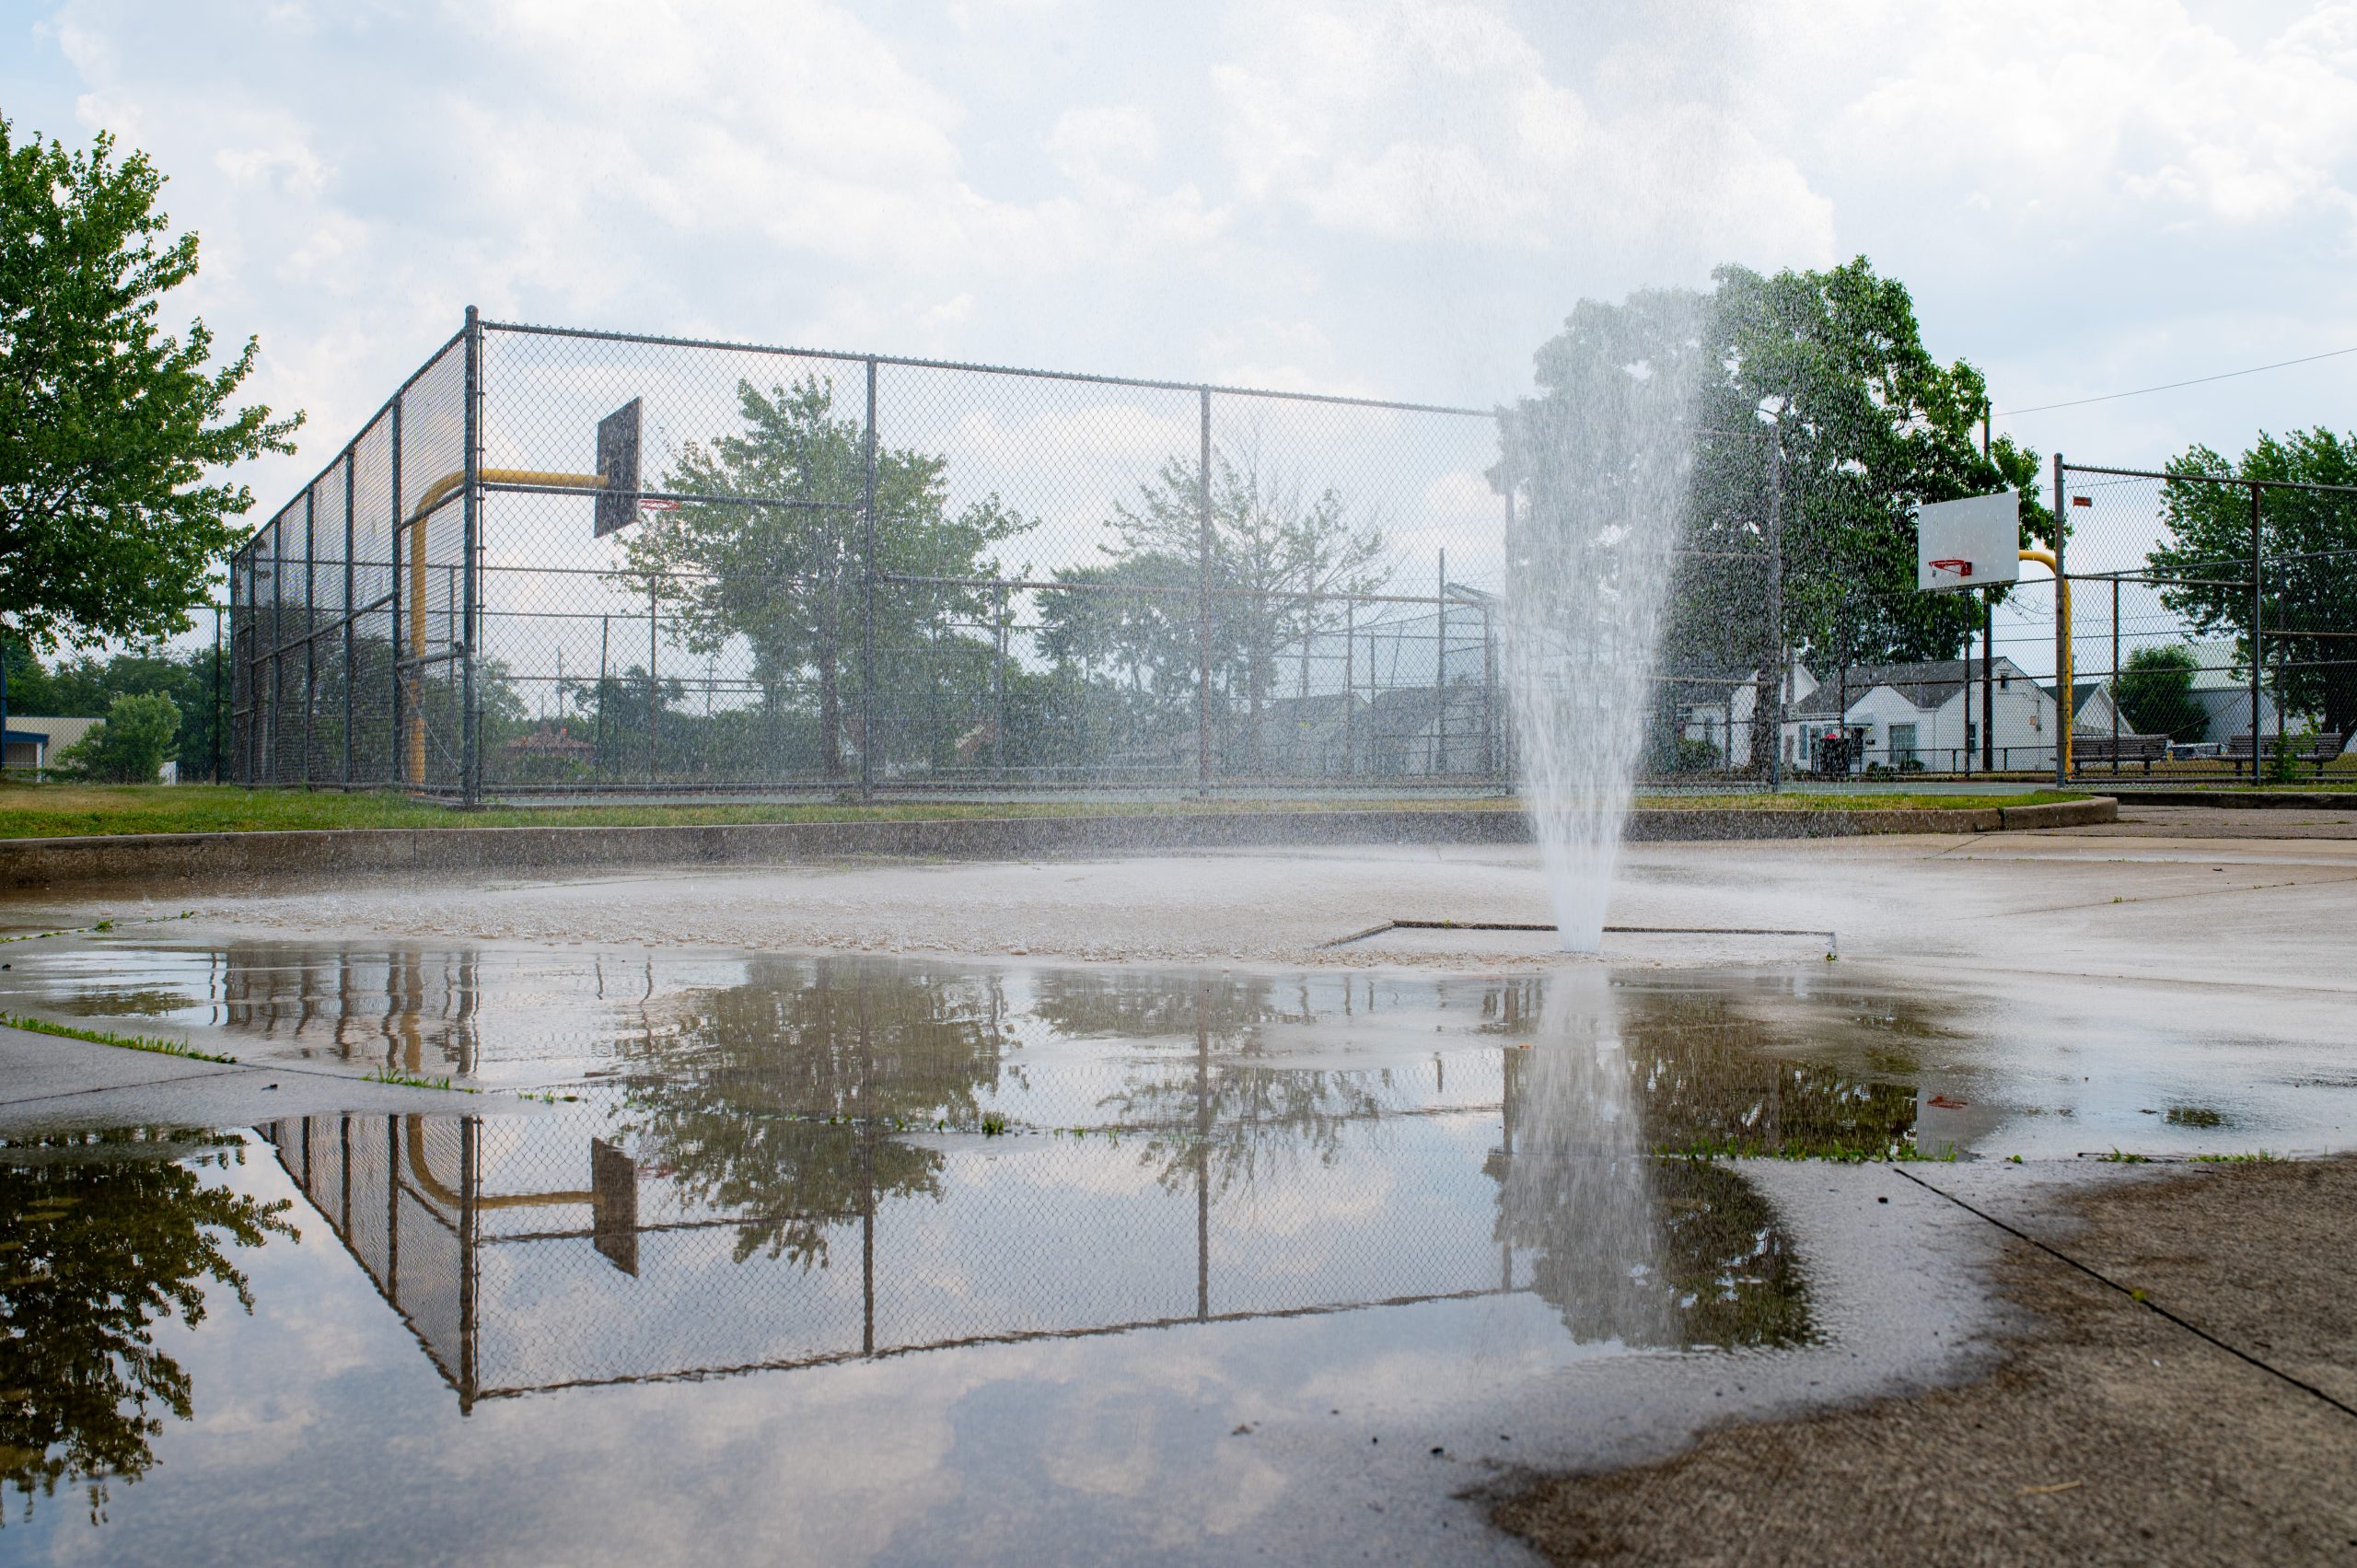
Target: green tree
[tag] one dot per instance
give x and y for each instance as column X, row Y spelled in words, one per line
column 1872, row 426
column 791, row 581
column 109, row 427
column 1832, row 364
column 1280, row 559
column 129, row 745
column 2308, row 541
column 2155, row 693
column 98, row 1249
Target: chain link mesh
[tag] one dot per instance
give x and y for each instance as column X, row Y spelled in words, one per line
column 831, row 572
column 2175, row 579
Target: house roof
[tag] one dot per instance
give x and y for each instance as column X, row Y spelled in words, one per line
column 1926, row 684
column 58, row 732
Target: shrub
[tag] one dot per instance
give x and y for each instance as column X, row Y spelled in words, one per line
column 129, row 745
column 1694, row 756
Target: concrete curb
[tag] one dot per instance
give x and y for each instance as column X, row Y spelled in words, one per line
column 2291, row 797
column 27, row 863
column 2060, row 814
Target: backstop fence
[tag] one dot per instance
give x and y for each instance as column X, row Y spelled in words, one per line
column 571, row 562
column 565, row 563
column 564, row 560
column 2210, row 633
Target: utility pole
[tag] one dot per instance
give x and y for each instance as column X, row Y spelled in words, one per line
column 1775, row 609
column 1987, row 645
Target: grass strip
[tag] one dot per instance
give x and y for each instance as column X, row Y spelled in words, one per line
column 108, row 1037
column 60, row 810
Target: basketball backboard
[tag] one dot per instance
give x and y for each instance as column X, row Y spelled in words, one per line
column 617, row 504
column 1967, row 544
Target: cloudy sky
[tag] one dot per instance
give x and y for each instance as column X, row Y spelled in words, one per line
column 1400, row 198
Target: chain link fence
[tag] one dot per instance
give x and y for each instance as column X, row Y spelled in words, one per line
column 571, row 563
column 2175, row 579
column 2212, row 626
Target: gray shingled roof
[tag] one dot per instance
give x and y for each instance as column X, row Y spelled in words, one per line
column 1927, row 684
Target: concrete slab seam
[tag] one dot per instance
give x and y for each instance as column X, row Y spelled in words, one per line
column 2139, row 1297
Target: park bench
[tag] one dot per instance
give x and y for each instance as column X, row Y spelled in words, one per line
column 2314, row 749
column 2110, row 750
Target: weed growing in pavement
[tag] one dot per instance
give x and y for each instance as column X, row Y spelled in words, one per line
column 108, row 1037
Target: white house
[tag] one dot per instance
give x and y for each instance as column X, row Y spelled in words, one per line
column 1922, row 715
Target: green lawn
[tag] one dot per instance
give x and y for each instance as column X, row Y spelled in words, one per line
column 37, row 812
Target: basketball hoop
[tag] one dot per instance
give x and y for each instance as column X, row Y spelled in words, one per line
column 1964, row 546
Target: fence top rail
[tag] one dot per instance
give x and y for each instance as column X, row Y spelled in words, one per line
column 345, row 453
column 2210, row 478
column 976, row 368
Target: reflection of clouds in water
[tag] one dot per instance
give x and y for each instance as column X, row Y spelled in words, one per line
column 1579, row 1183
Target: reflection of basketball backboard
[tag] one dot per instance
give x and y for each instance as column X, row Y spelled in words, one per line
column 1967, row 544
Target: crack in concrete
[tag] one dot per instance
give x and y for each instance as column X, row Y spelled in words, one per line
column 2139, row 1297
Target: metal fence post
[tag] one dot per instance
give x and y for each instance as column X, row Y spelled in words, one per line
column 1440, row 672
column 470, row 572
column 397, row 764
column 310, row 620
column 2063, row 714
column 2257, row 631
column 349, row 586
column 1775, row 608
column 1349, row 687
column 867, row 614
column 1204, row 601
column 2114, row 673
column 220, row 719
column 653, row 686
column 1989, row 681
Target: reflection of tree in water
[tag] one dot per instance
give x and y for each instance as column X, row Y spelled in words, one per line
column 1709, row 1079
column 737, row 1101
column 1229, row 1110
column 1731, row 1276
column 1614, row 1073
column 103, row 1234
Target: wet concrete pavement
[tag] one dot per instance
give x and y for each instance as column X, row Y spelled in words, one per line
column 1262, row 1257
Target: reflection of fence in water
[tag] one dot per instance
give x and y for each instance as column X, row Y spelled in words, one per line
column 540, row 1251
column 532, row 1252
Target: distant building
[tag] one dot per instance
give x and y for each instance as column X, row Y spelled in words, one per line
column 33, row 743
column 1924, row 715
column 2222, row 685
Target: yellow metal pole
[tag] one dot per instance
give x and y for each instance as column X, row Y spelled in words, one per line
column 2063, row 693
column 413, row 721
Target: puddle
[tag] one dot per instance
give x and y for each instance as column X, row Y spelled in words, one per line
column 1233, row 1195
column 905, row 1257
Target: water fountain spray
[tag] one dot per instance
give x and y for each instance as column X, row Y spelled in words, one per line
column 1597, row 470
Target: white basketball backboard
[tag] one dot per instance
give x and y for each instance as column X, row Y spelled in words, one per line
column 1970, row 543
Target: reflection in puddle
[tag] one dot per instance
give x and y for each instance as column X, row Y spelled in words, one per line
column 1577, row 1179
column 803, row 1174
column 102, row 1236
column 784, row 1164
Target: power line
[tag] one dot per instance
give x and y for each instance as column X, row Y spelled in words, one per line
column 2172, row 386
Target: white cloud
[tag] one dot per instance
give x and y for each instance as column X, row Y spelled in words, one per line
column 1416, row 121
column 1396, row 198
column 1103, row 143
